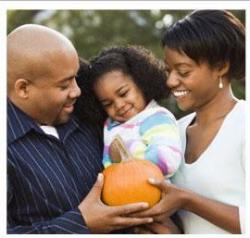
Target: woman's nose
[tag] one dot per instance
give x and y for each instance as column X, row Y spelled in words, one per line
column 172, row 80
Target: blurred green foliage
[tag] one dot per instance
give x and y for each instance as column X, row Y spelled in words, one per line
column 92, row 30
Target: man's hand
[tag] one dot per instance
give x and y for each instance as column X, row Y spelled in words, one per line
column 101, row 218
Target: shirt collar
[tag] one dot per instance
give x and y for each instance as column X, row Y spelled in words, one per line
column 19, row 124
column 64, row 130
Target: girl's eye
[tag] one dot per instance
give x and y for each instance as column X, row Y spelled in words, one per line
column 123, row 94
column 105, row 105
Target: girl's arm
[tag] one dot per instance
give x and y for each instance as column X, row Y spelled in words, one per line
column 160, row 135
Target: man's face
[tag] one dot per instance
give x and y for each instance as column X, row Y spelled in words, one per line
column 52, row 97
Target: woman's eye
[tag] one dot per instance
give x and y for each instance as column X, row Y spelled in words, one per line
column 184, row 73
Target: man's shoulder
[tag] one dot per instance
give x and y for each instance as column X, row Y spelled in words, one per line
column 87, row 129
column 18, row 123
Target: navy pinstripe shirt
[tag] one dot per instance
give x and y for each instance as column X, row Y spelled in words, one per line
column 47, row 177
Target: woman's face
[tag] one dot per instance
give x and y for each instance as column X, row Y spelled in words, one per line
column 193, row 85
column 119, row 95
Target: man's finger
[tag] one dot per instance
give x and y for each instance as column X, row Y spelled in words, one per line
column 123, row 222
column 97, row 187
column 130, row 208
column 154, row 211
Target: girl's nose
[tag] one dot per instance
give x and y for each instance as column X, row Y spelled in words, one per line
column 119, row 103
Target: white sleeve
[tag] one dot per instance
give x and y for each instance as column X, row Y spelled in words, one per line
column 242, row 216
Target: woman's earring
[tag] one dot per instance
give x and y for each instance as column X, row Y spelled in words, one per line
column 220, row 83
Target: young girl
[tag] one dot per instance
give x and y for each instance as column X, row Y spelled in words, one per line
column 128, row 82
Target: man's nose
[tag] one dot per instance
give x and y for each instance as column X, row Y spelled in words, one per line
column 75, row 90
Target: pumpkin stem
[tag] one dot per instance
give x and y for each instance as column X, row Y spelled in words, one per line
column 119, row 149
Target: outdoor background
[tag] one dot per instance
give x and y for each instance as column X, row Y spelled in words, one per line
column 92, row 30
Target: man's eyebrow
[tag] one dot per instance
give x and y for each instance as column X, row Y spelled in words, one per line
column 67, row 78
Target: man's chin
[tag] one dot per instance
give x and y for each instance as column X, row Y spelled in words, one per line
column 62, row 120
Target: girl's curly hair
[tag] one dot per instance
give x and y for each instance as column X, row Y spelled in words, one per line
column 147, row 72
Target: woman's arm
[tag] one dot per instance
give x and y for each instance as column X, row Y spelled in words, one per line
column 174, row 198
column 223, row 215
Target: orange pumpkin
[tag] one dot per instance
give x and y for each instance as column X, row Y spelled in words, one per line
column 127, row 182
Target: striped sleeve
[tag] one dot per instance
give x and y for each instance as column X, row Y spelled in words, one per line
column 70, row 222
column 161, row 136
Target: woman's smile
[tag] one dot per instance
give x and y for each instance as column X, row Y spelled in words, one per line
column 180, row 93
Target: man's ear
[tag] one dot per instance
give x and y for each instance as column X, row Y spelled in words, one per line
column 21, row 88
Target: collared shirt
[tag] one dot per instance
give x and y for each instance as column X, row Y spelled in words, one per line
column 47, row 177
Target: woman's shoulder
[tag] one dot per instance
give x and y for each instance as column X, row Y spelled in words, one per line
column 240, row 105
column 237, row 114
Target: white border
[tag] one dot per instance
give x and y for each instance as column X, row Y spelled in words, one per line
column 143, row 5
column 3, row 142
column 107, row 5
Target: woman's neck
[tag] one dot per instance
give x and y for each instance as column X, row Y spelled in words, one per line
column 217, row 108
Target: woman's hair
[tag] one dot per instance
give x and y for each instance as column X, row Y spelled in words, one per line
column 212, row 36
column 145, row 70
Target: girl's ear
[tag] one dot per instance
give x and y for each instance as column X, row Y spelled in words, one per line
column 21, row 88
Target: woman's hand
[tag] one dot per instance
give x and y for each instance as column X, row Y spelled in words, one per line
column 173, row 199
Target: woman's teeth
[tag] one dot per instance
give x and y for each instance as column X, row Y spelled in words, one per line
column 180, row 93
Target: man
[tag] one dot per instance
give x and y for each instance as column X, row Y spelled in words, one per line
column 53, row 159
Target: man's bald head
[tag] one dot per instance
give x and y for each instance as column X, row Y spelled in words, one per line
column 31, row 49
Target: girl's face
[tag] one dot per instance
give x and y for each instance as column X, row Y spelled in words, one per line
column 193, row 85
column 119, row 95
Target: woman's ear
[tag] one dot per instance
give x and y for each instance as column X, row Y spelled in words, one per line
column 21, row 88
column 223, row 69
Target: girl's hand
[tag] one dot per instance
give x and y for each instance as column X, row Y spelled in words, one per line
column 166, row 227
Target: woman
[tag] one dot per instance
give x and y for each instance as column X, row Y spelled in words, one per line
column 203, row 53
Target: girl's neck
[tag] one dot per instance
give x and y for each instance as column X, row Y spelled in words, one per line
column 217, row 108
